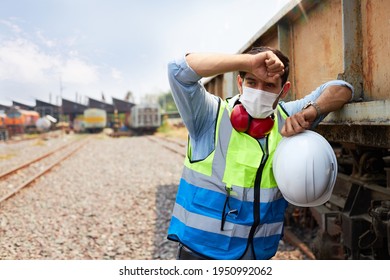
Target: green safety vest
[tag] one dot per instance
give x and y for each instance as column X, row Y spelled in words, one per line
column 230, row 199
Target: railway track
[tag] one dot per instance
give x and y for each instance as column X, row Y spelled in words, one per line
column 19, row 177
column 289, row 236
column 170, row 144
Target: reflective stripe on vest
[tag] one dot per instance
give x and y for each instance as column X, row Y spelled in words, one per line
column 214, row 210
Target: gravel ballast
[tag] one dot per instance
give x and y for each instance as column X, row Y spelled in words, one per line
column 111, row 200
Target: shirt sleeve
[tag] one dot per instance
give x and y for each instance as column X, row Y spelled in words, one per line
column 196, row 106
column 293, row 107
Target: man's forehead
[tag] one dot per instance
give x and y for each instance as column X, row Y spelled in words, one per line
column 250, row 76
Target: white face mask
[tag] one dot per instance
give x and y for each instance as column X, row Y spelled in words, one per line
column 258, row 103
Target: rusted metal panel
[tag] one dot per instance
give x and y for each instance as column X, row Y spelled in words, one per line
column 272, row 41
column 376, row 48
column 317, row 49
column 260, row 36
column 285, row 46
column 352, row 46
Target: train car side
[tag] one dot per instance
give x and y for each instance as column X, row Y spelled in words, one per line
column 20, row 121
column 3, row 128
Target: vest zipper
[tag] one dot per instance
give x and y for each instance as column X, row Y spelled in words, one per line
column 256, row 199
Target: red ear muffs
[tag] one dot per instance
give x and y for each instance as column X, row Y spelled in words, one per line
column 240, row 118
column 259, row 128
column 243, row 122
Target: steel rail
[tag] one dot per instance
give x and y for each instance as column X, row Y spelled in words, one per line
column 23, row 165
column 46, row 170
column 294, row 240
column 153, row 139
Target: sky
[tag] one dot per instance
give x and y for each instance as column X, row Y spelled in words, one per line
column 80, row 49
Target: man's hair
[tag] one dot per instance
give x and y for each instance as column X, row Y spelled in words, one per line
column 279, row 54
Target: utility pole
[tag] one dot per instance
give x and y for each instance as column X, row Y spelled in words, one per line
column 61, row 89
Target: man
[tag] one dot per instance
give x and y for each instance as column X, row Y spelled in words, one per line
column 228, row 205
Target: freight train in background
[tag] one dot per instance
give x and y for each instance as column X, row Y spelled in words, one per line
column 19, row 121
column 144, row 118
column 349, row 40
column 94, row 120
column 132, row 119
column 3, row 128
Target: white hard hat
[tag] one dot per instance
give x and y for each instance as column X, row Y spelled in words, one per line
column 305, row 168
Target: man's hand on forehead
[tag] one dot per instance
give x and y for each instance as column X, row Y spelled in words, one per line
column 274, row 65
column 267, row 66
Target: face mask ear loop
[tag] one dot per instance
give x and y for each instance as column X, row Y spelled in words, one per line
column 277, row 98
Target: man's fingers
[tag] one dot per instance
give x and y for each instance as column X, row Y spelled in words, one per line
column 294, row 125
column 275, row 69
column 274, row 65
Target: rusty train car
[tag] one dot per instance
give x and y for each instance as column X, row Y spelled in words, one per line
column 3, row 128
column 19, row 121
column 349, row 40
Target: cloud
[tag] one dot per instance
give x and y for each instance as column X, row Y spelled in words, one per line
column 14, row 27
column 47, row 42
column 77, row 71
column 69, row 47
column 23, row 60
column 116, row 74
column 34, row 64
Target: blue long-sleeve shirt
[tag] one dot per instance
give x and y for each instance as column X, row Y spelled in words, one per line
column 198, row 108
